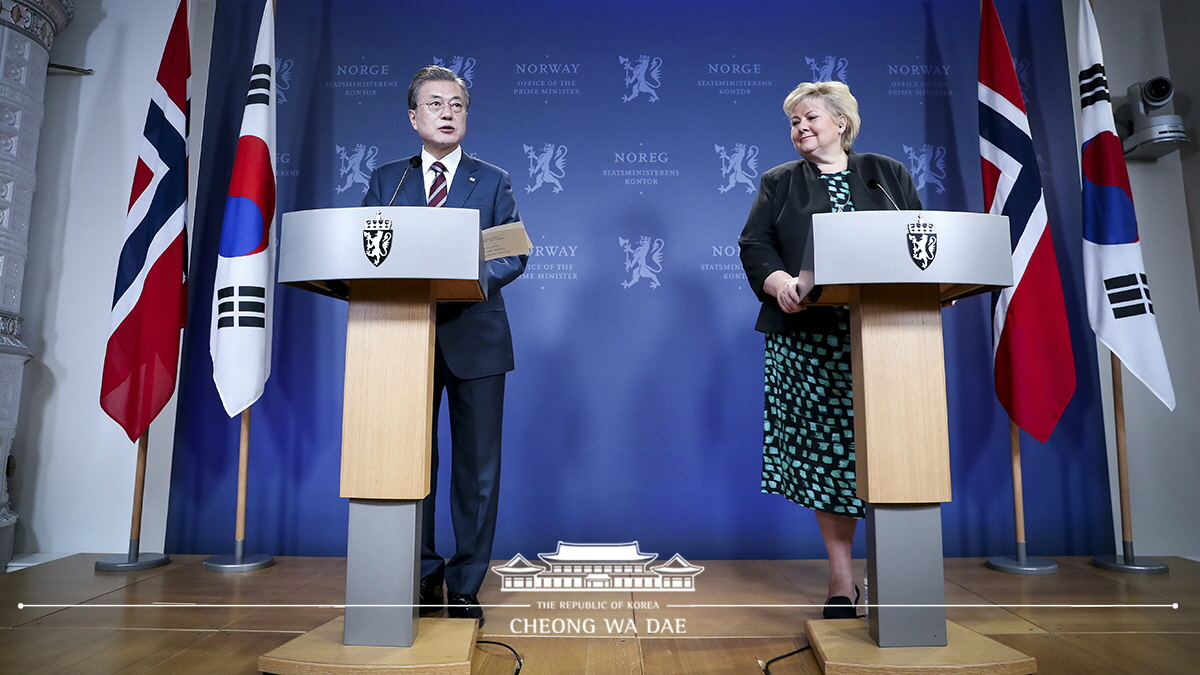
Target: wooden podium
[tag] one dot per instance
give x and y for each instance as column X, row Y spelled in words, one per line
column 393, row 264
column 896, row 269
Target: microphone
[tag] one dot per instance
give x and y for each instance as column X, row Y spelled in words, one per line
column 413, row 163
column 876, row 185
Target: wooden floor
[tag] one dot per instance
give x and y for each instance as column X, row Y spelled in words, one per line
column 81, row 635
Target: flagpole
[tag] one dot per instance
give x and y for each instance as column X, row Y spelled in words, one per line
column 239, row 536
column 1021, row 563
column 1125, row 562
column 135, row 559
column 239, row 562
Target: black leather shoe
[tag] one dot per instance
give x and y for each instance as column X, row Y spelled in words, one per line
column 431, row 597
column 465, row 607
column 840, row 607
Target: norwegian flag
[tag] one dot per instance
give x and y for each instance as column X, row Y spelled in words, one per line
column 1119, row 306
column 243, row 292
column 150, row 299
column 1034, row 364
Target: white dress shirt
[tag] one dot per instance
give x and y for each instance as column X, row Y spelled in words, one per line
column 450, row 161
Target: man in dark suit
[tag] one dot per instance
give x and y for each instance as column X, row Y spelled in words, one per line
column 474, row 344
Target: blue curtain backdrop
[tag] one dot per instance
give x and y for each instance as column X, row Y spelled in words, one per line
column 635, row 409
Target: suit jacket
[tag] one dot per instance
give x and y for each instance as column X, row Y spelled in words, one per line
column 474, row 337
column 776, row 232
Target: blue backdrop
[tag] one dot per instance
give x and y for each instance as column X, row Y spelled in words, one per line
column 635, row 409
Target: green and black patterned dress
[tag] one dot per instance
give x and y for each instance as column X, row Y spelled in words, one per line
column 808, row 444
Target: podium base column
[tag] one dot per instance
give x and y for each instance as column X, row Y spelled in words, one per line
column 905, row 576
column 383, row 570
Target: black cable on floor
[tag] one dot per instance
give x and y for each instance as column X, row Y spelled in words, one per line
column 520, row 661
column 767, row 666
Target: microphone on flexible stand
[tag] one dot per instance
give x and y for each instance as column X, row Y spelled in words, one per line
column 876, row 185
column 413, row 163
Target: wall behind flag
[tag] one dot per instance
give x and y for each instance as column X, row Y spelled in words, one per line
column 635, row 409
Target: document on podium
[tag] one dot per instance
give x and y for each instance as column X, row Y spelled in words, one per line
column 506, row 240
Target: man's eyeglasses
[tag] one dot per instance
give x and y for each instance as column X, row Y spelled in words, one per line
column 436, row 106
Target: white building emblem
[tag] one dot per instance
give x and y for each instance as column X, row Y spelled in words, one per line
column 643, row 261
column 464, row 68
column 597, row 567
column 638, row 77
column 283, row 79
column 831, row 69
column 546, row 166
column 735, row 166
column 927, row 165
column 357, row 166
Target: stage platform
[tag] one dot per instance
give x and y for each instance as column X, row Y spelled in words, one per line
column 132, row 623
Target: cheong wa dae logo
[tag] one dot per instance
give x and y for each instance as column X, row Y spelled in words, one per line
column 597, row 567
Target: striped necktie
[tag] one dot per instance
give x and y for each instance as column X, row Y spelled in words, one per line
column 439, row 190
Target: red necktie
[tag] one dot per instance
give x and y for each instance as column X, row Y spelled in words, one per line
column 439, row 190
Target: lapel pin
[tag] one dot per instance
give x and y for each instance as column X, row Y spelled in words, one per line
column 472, row 179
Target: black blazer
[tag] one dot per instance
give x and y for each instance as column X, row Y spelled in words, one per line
column 776, row 232
column 474, row 337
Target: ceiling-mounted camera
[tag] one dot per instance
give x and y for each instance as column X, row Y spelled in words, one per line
column 1153, row 134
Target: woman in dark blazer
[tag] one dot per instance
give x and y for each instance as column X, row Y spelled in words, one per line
column 808, row 445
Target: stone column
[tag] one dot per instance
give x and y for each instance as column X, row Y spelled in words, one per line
column 27, row 29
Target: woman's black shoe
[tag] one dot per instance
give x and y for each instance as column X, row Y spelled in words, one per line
column 840, row 607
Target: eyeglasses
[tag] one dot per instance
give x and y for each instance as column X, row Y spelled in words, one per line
column 437, row 105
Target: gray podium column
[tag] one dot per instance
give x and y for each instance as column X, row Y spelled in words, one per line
column 383, row 570
column 27, row 30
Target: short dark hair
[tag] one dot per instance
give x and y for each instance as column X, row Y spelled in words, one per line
column 435, row 73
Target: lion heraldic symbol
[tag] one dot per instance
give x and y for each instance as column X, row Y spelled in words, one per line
column 927, row 165
column 462, row 68
column 643, row 261
column 731, row 165
column 283, row 80
column 377, row 239
column 540, row 166
column 832, row 69
column 638, row 77
column 353, row 165
column 922, row 243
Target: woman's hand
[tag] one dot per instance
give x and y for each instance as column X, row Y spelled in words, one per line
column 789, row 291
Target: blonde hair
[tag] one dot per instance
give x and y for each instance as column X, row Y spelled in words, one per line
column 836, row 98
